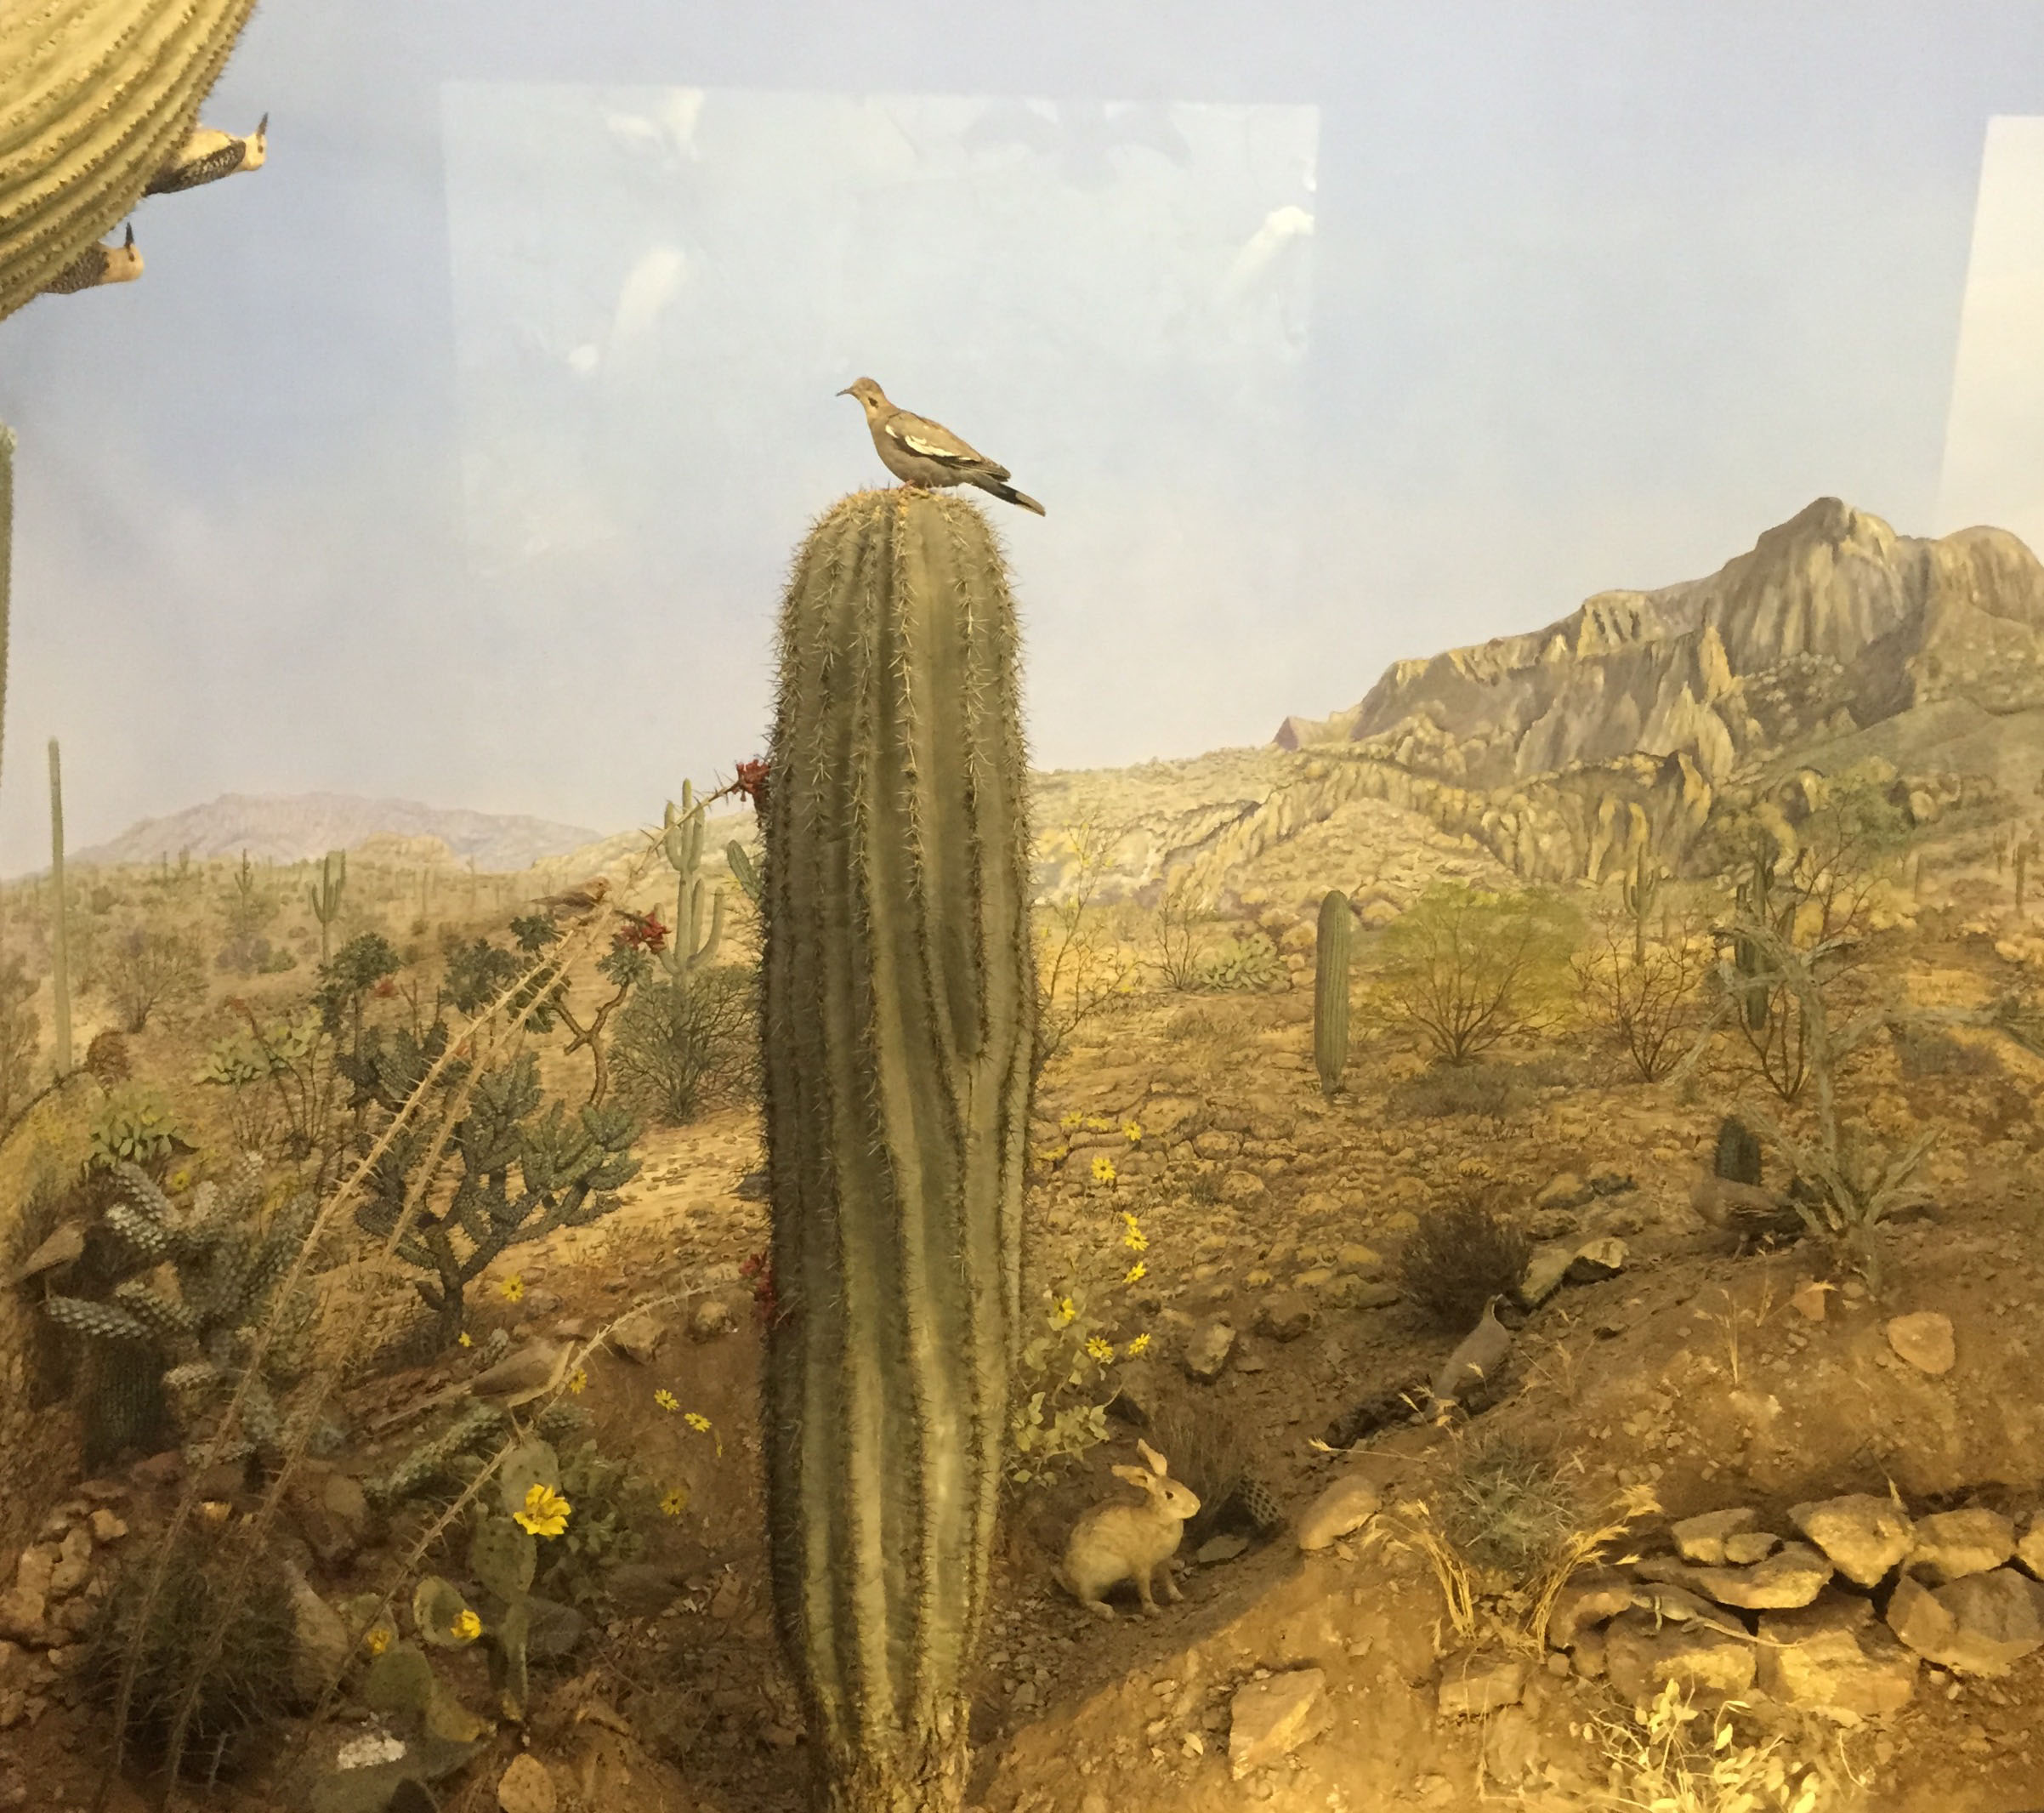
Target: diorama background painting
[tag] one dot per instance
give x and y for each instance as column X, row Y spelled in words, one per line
column 459, row 453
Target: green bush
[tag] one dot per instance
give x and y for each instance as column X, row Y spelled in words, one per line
column 684, row 1043
column 1467, row 968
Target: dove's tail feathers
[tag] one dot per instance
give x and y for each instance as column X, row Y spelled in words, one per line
column 1008, row 494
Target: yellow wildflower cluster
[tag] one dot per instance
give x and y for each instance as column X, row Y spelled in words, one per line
column 546, row 1512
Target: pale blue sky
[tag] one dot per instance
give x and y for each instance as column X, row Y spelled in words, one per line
column 459, row 453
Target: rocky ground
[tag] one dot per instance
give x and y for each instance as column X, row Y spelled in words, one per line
column 1867, row 1472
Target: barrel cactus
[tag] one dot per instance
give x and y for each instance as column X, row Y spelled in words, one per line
column 898, row 1018
column 1330, row 991
column 101, row 95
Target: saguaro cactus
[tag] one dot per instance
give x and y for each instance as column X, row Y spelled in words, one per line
column 681, row 843
column 59, row 949
column 99, row 95
column 1640, row 888
column 7, row 549
column 324, row 896
column 1331, row 989
column 898, row 1020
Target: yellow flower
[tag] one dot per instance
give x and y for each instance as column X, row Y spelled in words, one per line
column 512, row 1288
column 467, row 1627
column 1065, row 1311
column 1135, row 1271
column 1139, row 1345
column 465, row 1340
column 1070, row 1121
column 377, row 1640
column 178, row 1180
column 697, row 1421
column 666, row 1399
column 1135, row 1239
column 578, row 1381
column 1103, row 1169
column 1101, row 1348
column 546, row 1512
column 676, row 1502
column 1132, row 1132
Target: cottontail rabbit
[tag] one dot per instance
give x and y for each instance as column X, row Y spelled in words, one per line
column 1120, row 1540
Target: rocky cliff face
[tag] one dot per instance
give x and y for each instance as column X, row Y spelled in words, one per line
column 1831, row 623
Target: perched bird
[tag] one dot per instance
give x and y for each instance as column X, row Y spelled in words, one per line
column 1477, row 1360
column 573, row 903
column 208, row 155
column 98, row 264
column 533, row 1371
column 924, row 453
column 1744, row 1209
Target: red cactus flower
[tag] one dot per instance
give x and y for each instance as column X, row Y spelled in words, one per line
column 643, row 930
column 385, row 989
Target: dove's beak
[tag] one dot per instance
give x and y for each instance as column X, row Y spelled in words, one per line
column 847, row 391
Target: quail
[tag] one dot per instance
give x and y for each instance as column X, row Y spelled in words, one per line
column 926, row 454
column 1744, row 1209
column 1477, row 1360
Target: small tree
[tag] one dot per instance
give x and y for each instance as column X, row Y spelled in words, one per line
column 1647, row 993
column 248, row 904
column 146, row 967
column 1082, row 970
column 1181, row 915
column 1467, row 967
column 682, row 1042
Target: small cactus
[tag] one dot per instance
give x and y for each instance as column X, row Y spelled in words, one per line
column 441, row 1616
column 324, row 896
column 743, row 871
column 1738, row 1156
column 681, row 843
column 1330, row 991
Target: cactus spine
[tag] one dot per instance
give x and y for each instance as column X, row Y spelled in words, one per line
column 59, row 942
column 681, row 842
column 325, row 897
column 898, row 1021
column 98, row 99
column 1330, row 991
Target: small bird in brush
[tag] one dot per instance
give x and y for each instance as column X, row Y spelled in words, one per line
column 926, row 455
column 577, row 902
column 533, row 1371
column 1742, row 1209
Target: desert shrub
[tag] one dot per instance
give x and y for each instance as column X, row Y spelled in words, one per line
column 212, row 1573
column 1458, row 1257
column 1081, row 970
column 1191, row 1024
column 1648, row 995
column 1246, row 964
column 142, row 967
column 1177, row 935
column 1922, row 1052
column 1444, row 1092
column 18, row 1031
column 136, row 1125
column 686, row 1043
column 1467, row 968
column 613, row 1504
column 1509, row 1506
column 1209, row 1454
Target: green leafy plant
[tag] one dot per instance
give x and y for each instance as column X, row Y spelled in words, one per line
column 1243, row 964
column 136, row 1126
column 682, row 1045
column 613, row 1504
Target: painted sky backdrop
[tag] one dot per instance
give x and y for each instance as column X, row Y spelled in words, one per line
column 459, row 453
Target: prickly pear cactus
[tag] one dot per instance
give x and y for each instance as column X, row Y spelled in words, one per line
column 98, row 98
column 898, row 1018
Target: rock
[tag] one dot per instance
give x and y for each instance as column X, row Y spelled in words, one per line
column 1864, row 1536
column 74, row 1564
column 1808, row 1299
column 1701, row 1539
column 1476, row 1685
column 639, row 1335
column 1565, row 1189
column 1358, row 1257
column 331, row 1512
column 527, row 1787
column 1925, row 1340
column 1591, row 1597
column 24, row 1617
column 1510, row 1747
column 106, row 1528
column 1363, row 1293
column 1342, row 1508
column 1952, row 1544
column 1642, row 1657
column 1243, row 1186
column 1749, row 1546
column 2030, row 1550
column 1206, row 1351
column 1545, row 1270
column 1272, row 1718
column 1980, row 1624
column 36, row 1567
column 159, row 1469
column 1596, row 1260
column 711, row 1318
column 1284, row 1316
column 1793, row 1576
column 322, row 1646
column 1219, row 1548
column 1835, row 1660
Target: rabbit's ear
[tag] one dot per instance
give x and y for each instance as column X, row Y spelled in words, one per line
column 1134, row 1475
column 1157, row 1460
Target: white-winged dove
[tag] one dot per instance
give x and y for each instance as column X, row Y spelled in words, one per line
column 1482, row 1352
column 208, row 155
column 98, row 264
column 925, row 453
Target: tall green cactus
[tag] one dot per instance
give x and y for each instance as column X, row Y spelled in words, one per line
column 59, row 946
column 1640, row 888
column 1331, row 989
column 681, row 843
column 325, row 897
column 898, row 1020
column 99, row 95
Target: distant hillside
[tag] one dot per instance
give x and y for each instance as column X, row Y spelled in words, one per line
column 294, row 826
